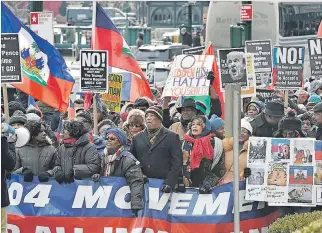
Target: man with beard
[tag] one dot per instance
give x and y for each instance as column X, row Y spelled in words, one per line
column 265, row 124
column 236, row 66
column 318, row 120
column 188, row 110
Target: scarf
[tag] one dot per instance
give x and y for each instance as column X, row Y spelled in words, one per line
column 108, row 162
column 152, row 134
column 71, row 141
column 202, row 148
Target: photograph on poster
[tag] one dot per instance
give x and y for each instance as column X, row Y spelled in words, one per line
column 319, row 195
column 257, row 177
column 301, row 175
column 318, row 173
column 277, row 174
column 280, row 149
column 300, row 194
column 257, row 150
column 318, row 150
column 303, row 151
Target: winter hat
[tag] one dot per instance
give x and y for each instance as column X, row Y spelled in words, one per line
column 141, row 103
column 125, row 106
column 105, row 122
column 34, row 110
column 302, row 107
column 246, row 125
column 86, row 115
column 216, row 122
column 201, row 108
column 302, row 93
column 314, row 99
column 156, row 110
column 290, row 122
column 14, row 106
column 124, row 116
column 118, row 133
column 32, row 117
column 136, row 116
column 315, row 85
column 18, row 117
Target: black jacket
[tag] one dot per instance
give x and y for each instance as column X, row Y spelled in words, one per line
column 163, row 159
column 261, row 128
column 7, row 165
column 187, row 39
column 318, row 135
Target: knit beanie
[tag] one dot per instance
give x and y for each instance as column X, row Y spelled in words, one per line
column 314, row 99
column 246, row 125
column 141, row 103
column 32, row 117
column 18, row 117
column 14, row 106
column 157, row 111
column 201, row 107
column 315, row 85
column 216, row 122
column 86, row 115
column 118, row 133
column 259, row 105
column 290, row 122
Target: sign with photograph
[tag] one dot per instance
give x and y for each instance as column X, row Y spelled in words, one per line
column 315, row 54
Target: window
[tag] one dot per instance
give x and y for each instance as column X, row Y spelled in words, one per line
column 299, row 19
column 155, row 55
column 183, row 15
column 162, row 15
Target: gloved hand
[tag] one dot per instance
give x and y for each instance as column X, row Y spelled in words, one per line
column 205, row 188
column 69, row 176
column 181, row 188
column 96, row 177
column 27, row 175
column 43, row 177
column 166, row 189
column 145, row 179
column 59, row 176
column 247, row 172
column 211, row 77
column 136, row 213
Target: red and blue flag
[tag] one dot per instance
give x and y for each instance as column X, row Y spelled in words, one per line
column 32, row 104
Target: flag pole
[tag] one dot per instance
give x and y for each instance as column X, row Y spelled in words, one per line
column 5, row 102
column 93, row 42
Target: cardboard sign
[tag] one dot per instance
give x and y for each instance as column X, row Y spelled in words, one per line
column 315, row 54
column 188, row 76
column 94, row 71
column 10, row 59
column 112, row 99
column 194, row 51
column 246, row 12
column 262, row 51
column 150, row 73
column 42, row 24
column 250, row 89
column 288, row 67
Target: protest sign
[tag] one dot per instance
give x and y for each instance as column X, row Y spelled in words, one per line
column 104, row 206
column 10, row 58
column 288, row 67
column 285, row 172
column 315, row 54
column 264, row 80
column 94, row 71
column 112, row 99
column 262, row 51
column 249, row 90
column 188, row 76
column 232, row 67
column 194, row 51
column 42, row 24
column 150, row 72
column 266, row 94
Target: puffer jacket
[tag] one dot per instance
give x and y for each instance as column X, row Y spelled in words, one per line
column 100, row 145
column 37, row 158
column 81, row 156
column 127, row 166
column 229, row 158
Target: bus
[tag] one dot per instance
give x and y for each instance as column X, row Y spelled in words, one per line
column 284, row 23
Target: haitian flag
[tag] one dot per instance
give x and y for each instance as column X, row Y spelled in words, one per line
column 320, row 30
column 105, row 207
column 32, row 104
column 71, row 110
column 107, row 37
column 44, row 71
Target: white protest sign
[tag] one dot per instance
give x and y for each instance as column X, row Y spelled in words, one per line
column 188, row 76
column 315, row 54
column 42, row 24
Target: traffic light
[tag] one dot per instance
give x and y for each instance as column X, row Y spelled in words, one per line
column 237, row 36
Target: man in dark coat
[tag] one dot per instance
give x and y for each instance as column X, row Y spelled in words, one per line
column 158, row 150
column 7, row 165
column 265, row 124
column 318, row 120
column 139, row 41
column 186, row 37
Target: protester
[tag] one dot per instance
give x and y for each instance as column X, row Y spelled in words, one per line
column 308, row 127
column 313, row 100
column 158, row 150
column 33, row 111
column 302, row 97
column 318, row 120
column 51, row 137
column 186, row 37
column 79, row 105
column 187, row 110
column 126, row 108
column 86, row 118
column 217, row 126
column 315, row 87
column 203, row 158
column 50, row 115
column 37, row 157
column 142, row 104
column 14, row 106
column 77, row 157
column 18, row 119
column 201, row 108
column 102, row 111
column 265, row 124
column 134, row 124
column 118, row 161
column 253, row 109
column 196, row 40
column 139, row 41
column 105, row 125
column 7, row 165
column 228, row 144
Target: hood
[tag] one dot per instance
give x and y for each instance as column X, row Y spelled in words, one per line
column 99, row 142
column 83, row 140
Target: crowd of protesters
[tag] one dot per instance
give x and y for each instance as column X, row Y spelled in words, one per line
column 171, row 140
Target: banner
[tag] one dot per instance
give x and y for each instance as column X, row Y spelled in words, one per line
column 315, row 54
column 194, row 51
column 288, row 67
column 283, row 170
column 93, row 71
column 104, row 207
column 188, row 76
column 112, row 99
column 232, row 67
column 10, row 58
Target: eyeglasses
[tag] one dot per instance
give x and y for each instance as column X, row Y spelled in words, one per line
column 110, row 139
column 135, row 125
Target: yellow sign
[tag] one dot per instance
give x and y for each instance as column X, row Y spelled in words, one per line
column 112, row 98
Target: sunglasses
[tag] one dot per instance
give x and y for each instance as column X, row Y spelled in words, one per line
column 111, row 139
column 135, row 125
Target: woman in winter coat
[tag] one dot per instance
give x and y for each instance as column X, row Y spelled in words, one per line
column 245, row 132
column 118, row 161
column 203, row 158
column 37, row 157
column 77, row 157
column 134, row 124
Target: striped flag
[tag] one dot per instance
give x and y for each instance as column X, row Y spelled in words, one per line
column 71, row 110
column 32, row 104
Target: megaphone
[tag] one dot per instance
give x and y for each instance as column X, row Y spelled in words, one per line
column 22, row 136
